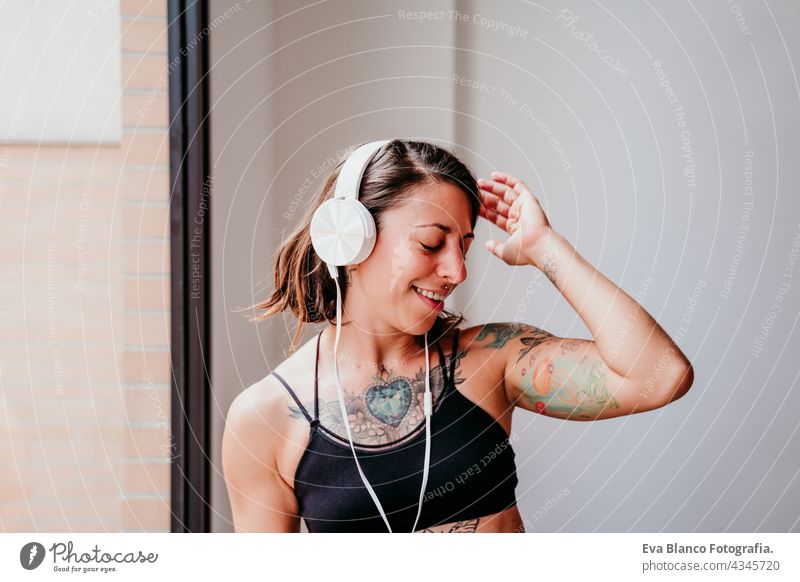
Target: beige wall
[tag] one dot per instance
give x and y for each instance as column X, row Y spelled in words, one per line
column 84, row 360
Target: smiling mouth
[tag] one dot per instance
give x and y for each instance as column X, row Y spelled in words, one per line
column 432, row 295
column 434, row 303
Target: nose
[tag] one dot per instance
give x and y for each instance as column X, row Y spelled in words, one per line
column 453, row 266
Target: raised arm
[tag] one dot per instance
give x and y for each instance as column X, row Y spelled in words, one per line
column 630, row 364
column 261, row 500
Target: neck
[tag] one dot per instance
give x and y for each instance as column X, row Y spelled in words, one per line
column 372, row 352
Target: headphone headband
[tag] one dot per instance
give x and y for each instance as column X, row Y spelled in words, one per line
column 348, row 183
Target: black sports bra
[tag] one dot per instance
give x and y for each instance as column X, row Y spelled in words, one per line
column 472, row 469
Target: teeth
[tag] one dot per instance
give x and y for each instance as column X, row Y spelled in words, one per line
column 430, row 294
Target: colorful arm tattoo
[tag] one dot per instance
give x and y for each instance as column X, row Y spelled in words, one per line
column 560, row 386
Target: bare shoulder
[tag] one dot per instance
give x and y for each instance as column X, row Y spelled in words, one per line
column 488, row 341
column 489, row 347
column 267, row 402
column 256, row 413
column 257, row 399
column 478, row 372
column 298, row 372
column 496, row 336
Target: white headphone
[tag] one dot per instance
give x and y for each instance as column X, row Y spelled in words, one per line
column 343, row 233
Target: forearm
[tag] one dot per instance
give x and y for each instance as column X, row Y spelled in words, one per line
column 629, row 340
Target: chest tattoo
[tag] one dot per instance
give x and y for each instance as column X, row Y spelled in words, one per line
column 389, row 401
column 387, row 410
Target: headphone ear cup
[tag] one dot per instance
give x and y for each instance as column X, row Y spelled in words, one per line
column 342, row 232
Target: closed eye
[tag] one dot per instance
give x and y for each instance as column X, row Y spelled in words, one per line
column 430, row 249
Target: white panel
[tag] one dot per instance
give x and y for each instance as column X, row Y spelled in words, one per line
column 60, row 72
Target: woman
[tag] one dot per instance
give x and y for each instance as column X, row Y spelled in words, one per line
column 284, row 452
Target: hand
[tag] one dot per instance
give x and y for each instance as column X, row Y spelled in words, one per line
column 507, row 202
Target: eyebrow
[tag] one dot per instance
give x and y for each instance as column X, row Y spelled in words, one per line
column 445, row 229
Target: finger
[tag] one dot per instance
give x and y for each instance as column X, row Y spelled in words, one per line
column 508, row 195
column 505, row 178
column 495, row 247
column 513, row 182
column 492, row 187
column 495, row 203
column 495, row 217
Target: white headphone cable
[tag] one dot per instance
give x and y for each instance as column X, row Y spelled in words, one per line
column 428, row 408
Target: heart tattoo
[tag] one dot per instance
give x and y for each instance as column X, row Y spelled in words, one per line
column 390, row 402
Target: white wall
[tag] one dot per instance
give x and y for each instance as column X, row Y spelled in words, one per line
column 60, row 71
column 582, row 102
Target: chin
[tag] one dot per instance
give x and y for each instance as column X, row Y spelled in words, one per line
column 421, row 325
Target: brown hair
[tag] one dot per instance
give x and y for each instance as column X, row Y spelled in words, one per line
column 302, row 282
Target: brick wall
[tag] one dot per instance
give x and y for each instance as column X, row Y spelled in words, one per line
column 84, row 306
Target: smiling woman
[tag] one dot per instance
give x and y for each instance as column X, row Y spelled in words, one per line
column 417, row 179
column 425, row 204
column 427, row 441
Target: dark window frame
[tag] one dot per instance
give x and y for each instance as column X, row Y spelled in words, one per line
column 190, row 229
